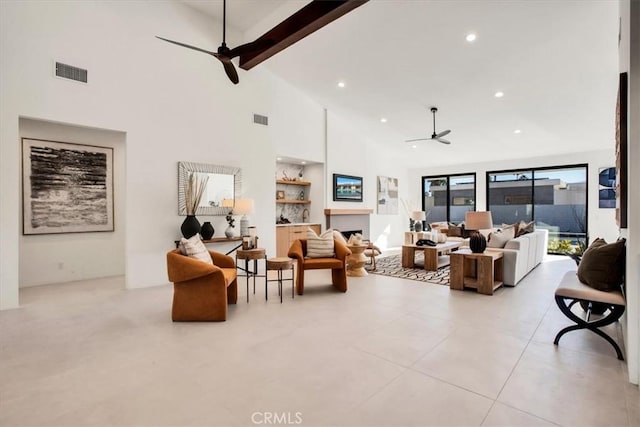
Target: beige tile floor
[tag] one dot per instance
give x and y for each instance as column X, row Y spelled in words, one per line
column 388, row 352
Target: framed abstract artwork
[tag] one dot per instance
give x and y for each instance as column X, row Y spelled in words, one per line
column 66, row 188
column 607, row 188
column 387, row 199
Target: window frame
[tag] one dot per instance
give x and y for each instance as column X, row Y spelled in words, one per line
column 533, row 179
column 448, row 197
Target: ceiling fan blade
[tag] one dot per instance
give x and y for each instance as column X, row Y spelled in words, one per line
column 418, row 139
column 228, row 68
column 444, row 141
column 187, row 46
column 443, row 133
column 249, row 48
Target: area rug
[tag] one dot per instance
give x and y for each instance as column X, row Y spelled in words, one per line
column 392, row 266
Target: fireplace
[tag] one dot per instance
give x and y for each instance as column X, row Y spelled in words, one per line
column 349, row 233
column 349, row 221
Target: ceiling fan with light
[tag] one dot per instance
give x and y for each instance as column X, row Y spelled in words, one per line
column 434, row 136
column 224, row 54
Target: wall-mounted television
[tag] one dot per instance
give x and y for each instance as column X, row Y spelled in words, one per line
column 347, row 188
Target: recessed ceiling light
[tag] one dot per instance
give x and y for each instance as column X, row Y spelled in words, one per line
column 304, row 163
column 499, row 94
column 278, row 158
column 383, row 120
column 517, row 131
column 414, row 146
column 470, row 37
column 341, row 84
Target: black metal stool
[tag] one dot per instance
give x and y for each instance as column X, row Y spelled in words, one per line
column 279, row 264
column 571, row 291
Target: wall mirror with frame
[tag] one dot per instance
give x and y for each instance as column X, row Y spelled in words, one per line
column 224, row 183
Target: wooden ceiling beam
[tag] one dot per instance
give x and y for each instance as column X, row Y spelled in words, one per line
column 307, row 20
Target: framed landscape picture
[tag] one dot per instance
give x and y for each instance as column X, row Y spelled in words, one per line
column 347, row 188
column 66, row 188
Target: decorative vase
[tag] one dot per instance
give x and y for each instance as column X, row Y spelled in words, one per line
column 477, row 243
column 411, row 224
column 190, row 226
column 229, row 232
column 207, row 230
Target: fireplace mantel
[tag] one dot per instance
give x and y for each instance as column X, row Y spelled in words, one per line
column 349, row 219
column 348, row 211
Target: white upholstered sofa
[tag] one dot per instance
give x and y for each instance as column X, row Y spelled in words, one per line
column 520, row 254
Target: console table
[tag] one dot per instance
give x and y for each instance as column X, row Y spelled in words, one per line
column 219, row 240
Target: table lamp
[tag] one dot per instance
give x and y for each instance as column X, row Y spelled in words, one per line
column 418, row 217
column 474, row 220
column 243, row 207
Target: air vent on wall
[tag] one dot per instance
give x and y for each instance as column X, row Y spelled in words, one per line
column 70, row 72
column 261, row 120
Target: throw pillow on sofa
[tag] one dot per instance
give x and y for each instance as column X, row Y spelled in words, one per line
column 524, row 228
column 499, row 239
column 194, row 248
column 320, row 246
column 602, row 265
column 455, row 231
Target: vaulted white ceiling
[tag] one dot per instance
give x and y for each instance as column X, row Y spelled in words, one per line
column 555, row 61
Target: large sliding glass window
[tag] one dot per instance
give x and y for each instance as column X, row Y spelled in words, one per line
column 510, row 196
column 448, row 197
column 555, row 198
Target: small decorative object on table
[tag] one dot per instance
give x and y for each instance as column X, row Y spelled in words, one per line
column 207, row 230
column 193, row 191
column 229, row 231
column 477, row 243
column 476, row 220
column 418, row 217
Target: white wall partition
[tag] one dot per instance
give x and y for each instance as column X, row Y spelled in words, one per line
column 174, row 104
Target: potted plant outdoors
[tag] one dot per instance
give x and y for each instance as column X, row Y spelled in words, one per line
column 195, row 185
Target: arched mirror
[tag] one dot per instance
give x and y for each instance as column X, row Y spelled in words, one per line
column 223, row 183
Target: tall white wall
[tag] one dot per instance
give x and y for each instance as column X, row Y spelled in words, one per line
column 601, row 222
column 629, row 61
column 351, row 152
column 53, row 258
column 174, row 104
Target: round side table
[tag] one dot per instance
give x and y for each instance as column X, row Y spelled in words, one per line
column 279, row 264
column 247, row 255
column 356, row 261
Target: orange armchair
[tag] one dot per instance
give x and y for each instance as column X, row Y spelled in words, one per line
column 337, row 264
column 202, row 291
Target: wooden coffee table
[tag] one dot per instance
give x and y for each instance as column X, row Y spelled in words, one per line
column 434, row 256
column 479, row 271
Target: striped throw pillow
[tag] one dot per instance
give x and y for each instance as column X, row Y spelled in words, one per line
column 320, row 246
column 194, row 248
